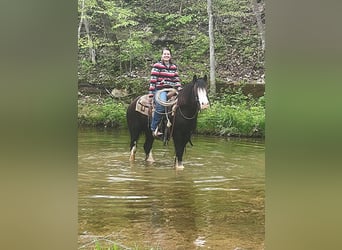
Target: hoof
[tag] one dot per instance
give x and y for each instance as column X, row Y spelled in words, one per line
column 178, row 164
column 149, row 158
column 180, row 167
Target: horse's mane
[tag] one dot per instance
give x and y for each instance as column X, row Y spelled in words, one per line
column 185, row 93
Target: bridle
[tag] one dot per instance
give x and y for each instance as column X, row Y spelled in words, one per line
column 195, row 92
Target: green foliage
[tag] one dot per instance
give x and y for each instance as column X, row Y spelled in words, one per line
column 176, row 20
column 97, row 112
column 133, row 86
column 232, row 121
column 164, row 22
column 196, row 49
column 122, row 17
column 125, row 34
column 228, row 116
column 134, row 48
column 84, row 67
column 234, row 96
column 234, row 115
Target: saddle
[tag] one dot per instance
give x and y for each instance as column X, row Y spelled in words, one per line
column 144, row 105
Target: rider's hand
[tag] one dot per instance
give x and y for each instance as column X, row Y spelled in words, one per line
column 178, row 86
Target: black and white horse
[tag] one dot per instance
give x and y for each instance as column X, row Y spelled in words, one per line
column 191, row 99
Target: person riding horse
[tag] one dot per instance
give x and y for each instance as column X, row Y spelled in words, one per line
column 164, row 75
column 190, row 100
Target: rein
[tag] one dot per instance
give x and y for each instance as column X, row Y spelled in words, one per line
column 189, row 118
column 184, row 116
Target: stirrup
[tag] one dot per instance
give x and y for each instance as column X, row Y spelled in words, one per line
column 156, row 133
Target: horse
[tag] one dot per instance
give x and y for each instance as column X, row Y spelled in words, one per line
column 190, row 100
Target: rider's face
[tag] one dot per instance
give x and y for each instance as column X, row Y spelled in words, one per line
column 166, row 56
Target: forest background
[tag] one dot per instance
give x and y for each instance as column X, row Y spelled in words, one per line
column 118, row 41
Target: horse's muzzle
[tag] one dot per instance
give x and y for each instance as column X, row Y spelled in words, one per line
column 204, row 105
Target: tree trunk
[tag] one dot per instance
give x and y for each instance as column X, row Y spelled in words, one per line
column 260, row 25
column 212, row 50
column 107, row 25
column 84, row 21
column 92, row 53
column 130, row 55
column 81, row 20
column 180, row 8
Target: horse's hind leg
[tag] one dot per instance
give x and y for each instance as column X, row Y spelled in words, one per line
column 133, row 151
column 133, row 144
column 148, row 145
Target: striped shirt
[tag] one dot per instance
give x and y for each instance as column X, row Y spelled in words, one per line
column 164, row 76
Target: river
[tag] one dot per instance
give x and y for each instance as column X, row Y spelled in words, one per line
column 216, row 202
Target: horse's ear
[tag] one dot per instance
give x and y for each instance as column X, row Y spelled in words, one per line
column 194, row 79
column 205, row 78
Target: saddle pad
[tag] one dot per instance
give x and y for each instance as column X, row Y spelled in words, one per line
column 143, row 105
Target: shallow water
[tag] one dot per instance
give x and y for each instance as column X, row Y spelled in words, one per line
column 216, row 202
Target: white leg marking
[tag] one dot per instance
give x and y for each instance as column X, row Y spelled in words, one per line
column 178, row 164
column 149, row 158
column 133, row 150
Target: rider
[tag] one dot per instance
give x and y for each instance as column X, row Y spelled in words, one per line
column 164, row 74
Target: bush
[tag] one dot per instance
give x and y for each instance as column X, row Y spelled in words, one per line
column 242, row 118
column 101, row 112
column 230, row 115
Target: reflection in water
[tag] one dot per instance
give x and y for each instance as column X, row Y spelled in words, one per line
column 216, row 202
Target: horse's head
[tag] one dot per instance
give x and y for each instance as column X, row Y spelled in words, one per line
column 201, row 91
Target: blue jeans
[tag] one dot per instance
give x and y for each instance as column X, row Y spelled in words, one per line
column 157, row 116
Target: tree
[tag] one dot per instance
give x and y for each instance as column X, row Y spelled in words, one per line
column 128, row 35
column 212, row 50
column 84, row 21
column 261, row 28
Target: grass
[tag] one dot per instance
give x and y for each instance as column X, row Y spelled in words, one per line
column 101, row 112
column 232, row 121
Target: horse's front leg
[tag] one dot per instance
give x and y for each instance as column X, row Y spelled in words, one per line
column 178, row 163
column 179, row 156
column 180, row 142
column 148, row 146
column 133, row 151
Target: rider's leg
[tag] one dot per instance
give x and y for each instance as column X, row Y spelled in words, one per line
column 158, row 113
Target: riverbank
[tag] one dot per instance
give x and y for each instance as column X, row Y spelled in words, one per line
column 231, row 114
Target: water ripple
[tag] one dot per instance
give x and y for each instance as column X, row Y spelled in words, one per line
column 121, row 179
column 220, row 189
column 129, row 197
column 213, row 180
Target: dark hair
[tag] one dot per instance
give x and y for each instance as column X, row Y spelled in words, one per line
column 166, row 48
